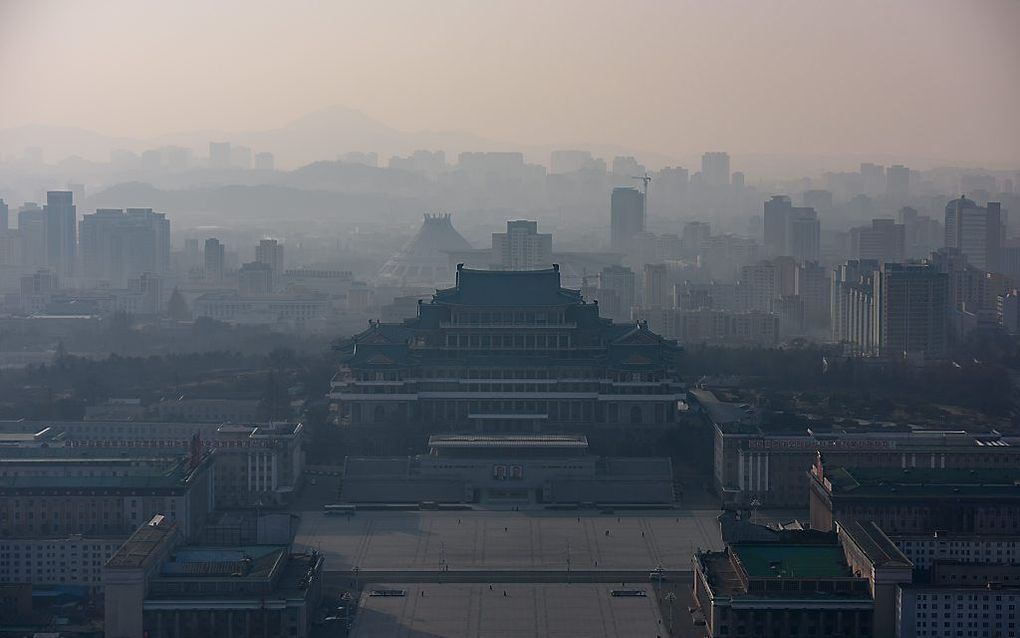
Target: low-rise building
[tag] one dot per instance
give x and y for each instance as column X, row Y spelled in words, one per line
column 490, row 468
column 769, row 463
column 782, row 590
column 257, row 463
column 917, row 500
column 157, row 586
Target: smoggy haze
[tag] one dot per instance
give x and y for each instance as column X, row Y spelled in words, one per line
column 917, row 79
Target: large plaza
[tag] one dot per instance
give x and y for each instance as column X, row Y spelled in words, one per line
column 527, row 540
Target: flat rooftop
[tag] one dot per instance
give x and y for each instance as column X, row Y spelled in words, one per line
column 777, row 560
column 925, row 482
column 257, row 561
column 575, row 610
column 143, row 543
column 483, row 441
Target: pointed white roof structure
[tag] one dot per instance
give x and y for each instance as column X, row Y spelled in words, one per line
column 425, row 259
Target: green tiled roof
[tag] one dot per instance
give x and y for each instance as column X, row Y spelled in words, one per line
column 773, row 560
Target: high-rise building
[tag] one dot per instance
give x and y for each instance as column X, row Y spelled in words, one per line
column 5, row 222
column 117, row 245
column 715, row 168
column 567, row 161
column 32, row 228
column 803, row 234
column 897, row 181
column 820, row 200
column 240, row 157
column 976, row 231
column 616, row 292
column 521, row 247
column 883, row 241
column 850, row 299
column 627, row 217
column 759, row 285
column 910, row 310
column 270, row 253
column 61, row 235
column 264, row 161
column 655, row 289
column 219, row 154
column 813, row 290
column 789, row 230
column 922, row 234
column 694, row 238
column 873, row 180
column 214, row 257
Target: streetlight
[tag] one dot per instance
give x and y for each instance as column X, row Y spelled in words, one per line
column 670, row 598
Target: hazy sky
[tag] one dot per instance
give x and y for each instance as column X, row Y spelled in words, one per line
column 917, row 78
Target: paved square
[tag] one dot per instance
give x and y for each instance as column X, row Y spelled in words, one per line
column 532, row 610
column 522, row 540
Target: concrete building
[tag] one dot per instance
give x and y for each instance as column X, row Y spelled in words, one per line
column 270, row 253
column 295, row 309
column 917, row 500
column 55, row 495
column 616, row 292
column 214, row 260
column 976, row 231
column 759, row 284
column 521, row 247
column 157, row 586
column 770, row 465
column 264, row 161
column 507, row 469
column 883, row 241
column 656, row 291
column 255, row 462
column 851, row 295
column 60, row 223
column 716, row 327
column 32, row 228
column 118, row 245
column 715, row 168
column 626, row 217
column 790, row 230
column 799, row 588
column 911, row 304
column 219, row 155
column 897, row 181
column 5, row 223
column 255, row 279
column 61, row 561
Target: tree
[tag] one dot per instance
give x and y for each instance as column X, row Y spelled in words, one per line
column 177, row 308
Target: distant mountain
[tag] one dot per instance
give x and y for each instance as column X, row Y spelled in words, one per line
column 328, row 132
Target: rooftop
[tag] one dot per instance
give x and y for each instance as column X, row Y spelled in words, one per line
column 257, row 561
column 563, row 441
column 508, row 288
column 930, row 483
column 775, row 560
column 143, row 543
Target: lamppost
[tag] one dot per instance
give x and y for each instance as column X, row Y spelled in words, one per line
column 670, row 598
